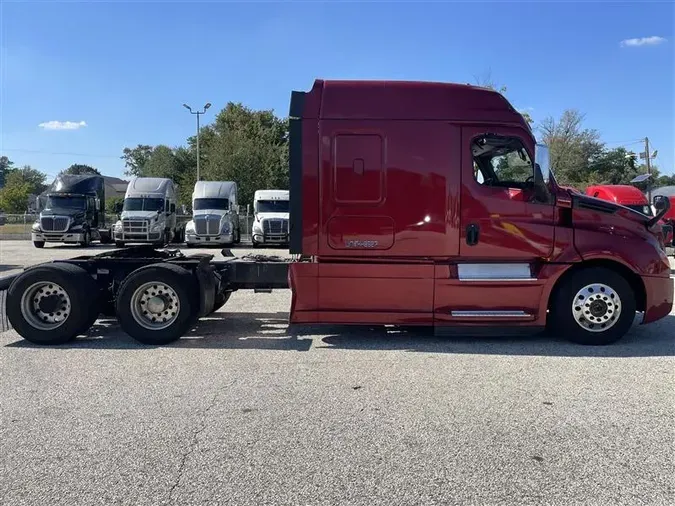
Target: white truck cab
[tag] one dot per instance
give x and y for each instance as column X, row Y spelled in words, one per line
column 148, row 213
column 215, row 214
column 271, row 210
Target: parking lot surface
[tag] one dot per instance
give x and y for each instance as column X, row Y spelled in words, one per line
column 247, row 411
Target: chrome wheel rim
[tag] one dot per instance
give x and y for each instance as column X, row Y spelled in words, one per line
column 45, row 305
column 155, row 305
column 596, row 307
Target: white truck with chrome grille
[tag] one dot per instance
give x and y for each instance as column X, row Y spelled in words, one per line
column 271, row 208
column 148, row 213
column 215, row 214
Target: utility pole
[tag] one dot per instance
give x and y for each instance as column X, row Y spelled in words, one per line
column 197, row 113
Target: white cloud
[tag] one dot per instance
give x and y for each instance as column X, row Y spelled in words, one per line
column 62, row 125
column 643, row 41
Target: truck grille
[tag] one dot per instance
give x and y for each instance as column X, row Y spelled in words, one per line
column 54, row 223
column 207, row 225
column 275, row 226
column 135, row 226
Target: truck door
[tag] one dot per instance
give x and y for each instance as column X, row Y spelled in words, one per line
column 502, row 217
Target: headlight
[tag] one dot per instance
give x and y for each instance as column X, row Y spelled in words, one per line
column 227, row 227
column 36, row 226
column 75, row 228
column 118, row 226
column 157, row 226
column 190, row 227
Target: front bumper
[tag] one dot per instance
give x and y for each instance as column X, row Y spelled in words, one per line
column 260, row 238
column 57, row 236
column 659, row 297
column 138, row 237
column 210, row 239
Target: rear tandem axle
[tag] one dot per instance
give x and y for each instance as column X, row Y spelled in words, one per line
column 156, row 295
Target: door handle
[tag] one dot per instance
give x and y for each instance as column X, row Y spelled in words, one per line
column 472, row 233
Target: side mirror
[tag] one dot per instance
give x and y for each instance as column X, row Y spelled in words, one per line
column 540, row 190
column 662, row 205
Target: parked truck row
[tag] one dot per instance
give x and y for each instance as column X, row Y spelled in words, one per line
column 74, row 212
column 411, row 203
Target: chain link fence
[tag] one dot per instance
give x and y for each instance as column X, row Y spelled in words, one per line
column 18, row 226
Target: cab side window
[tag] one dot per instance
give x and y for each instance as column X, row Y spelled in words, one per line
column 502, row 162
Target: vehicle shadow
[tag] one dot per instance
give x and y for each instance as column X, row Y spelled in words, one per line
column 654, row 340
column 270, row 331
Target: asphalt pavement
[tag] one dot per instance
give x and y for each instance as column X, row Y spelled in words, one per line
column 247, row 411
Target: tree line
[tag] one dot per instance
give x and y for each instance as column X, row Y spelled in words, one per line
column 251, row 147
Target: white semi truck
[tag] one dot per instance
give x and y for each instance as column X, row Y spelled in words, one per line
column 215, row 214
column 271, row 211
column 148, row 213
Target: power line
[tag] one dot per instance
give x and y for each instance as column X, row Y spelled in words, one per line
column 39, row 152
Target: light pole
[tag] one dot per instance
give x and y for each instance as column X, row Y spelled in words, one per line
column 197, row 113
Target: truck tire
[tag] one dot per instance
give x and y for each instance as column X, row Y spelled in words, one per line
column 161, row 242
column 87, row 239
column 106, row 237
column 52, row 303
column 157, row 292
column 593, row 306
column 39, row 244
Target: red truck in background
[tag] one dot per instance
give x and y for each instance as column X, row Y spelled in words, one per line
column 667, row 192
column 411, row 203
column 633, row 198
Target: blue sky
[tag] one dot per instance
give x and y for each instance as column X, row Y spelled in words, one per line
column 125, row 68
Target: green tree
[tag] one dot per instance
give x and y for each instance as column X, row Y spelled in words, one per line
column 33, row 177
column 78, row 169
column 613, row 166
column 110, row 204
column 571, row 147
column 249, row 147
column 136, row 158
column 5, row 166
column 14, row 195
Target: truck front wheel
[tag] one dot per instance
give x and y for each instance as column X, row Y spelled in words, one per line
column 87, row 239
column 39, row 244
column 154, row 303
column 52, row 304
column 594, row 306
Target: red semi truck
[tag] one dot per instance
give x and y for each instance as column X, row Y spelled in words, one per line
column 411, row 203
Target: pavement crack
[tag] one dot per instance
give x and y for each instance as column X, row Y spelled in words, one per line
column 194, row 442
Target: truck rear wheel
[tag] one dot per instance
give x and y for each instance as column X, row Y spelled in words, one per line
column 52, row 304
column 39, row 244
column 154, row 303
column 594, row 306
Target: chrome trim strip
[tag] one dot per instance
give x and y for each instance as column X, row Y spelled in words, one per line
column 494, row 272
column 490, row 314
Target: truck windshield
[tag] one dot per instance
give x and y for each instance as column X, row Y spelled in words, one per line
column 141, row 204
column 65, row 202
column 272, row 206
column 201, row 204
